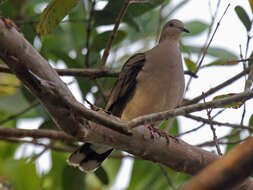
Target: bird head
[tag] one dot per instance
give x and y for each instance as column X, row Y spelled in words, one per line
column 173, row 30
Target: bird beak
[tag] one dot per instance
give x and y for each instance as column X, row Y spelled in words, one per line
column 184, row 29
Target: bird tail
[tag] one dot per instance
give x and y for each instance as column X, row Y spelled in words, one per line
column 89, row 156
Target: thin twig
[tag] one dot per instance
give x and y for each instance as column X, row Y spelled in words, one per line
column 197, row 128
column 206, row 48
column 206, row 121
column 209, row 143
column 10, row 85
column 36, row 133
column 208, row 110
column 88, row 32
column 244, row 66
column 19, row 113
column 90, row 73
column 100, row 90
column 159, row 21
column 114, row 32
column 220, row 86
column 36, row 156
column 34, row 142
column 213, row 17
column 22, row 22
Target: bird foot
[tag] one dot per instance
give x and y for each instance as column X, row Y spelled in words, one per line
column 160, row 133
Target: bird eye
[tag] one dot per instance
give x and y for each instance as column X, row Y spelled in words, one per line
column 171, row 24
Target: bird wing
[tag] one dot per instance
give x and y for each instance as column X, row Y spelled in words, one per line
column 125, row 86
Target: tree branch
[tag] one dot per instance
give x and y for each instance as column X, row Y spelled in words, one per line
column 35, row 133
column 90, row 73
column 227, row 172
column 220, row 86
column 114, row 32
column 207, row 121
column 151, row 118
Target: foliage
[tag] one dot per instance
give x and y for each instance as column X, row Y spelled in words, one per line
column 58, row 39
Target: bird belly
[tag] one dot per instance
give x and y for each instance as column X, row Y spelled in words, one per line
column 160, row 95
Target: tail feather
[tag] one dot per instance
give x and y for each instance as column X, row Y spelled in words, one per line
column 89, row 156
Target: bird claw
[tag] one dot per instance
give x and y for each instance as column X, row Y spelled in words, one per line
column 160, row 133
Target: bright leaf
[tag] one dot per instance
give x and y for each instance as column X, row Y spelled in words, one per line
column 53, row 14
column 195, row 27
column 251, row 121
column 100, row 40
column 243, row 16
column 191, row 66
column 8, row 84
column 221, row 62
column 72, row 178
column 235, row 105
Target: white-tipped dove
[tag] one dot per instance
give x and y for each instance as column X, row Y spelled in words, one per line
column 149, row 82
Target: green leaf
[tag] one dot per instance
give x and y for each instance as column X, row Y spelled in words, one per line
column 102, row 175
column 191, row 66
column 72, row 178
column 195, row 27
column 53, row 14
column 250, row 123
column 111, row 167
column 56, row 173
column 7, row 150
column 231, row 139
column 174, row 130
column 27, row 95
column 243, row 16
column 13, row 103
column 22, row 175
column 251, row 120
column 221, row 62
column 100, row 40
column 234, row 105
column 148, row 175
column 109, row 14
column 8, row 84
column 213, row 51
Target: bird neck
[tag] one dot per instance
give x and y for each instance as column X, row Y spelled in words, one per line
column 168, row 39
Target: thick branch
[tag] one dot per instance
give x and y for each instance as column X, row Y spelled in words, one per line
column 227, row 172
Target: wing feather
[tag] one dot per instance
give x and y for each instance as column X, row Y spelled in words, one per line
column 125, row 86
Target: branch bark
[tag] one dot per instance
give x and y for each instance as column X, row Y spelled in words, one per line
column 43, row 81
column 226, row 172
